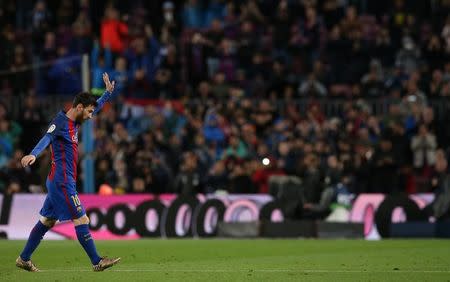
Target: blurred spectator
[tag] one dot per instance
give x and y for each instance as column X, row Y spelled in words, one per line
column 103, row 172
column 192, row 14
column 372, row 82
column 32, row 122
column 196, row 51
column 7, row 46
column 6, row 146
column 48, row 52
column 13, row 187
column 434, row 52
column 81, row 42
column 408, row 57
column 101, row 62
column 41, row 20
column 423, row 145
column 20, row 72
column 385, row 175
column 169, row 21
column 400, row 143
column 440, row 183
column 65, row 75
column 446, row 34
column 312, row 87
column 437, row 83
column 189, row 181
column 217, row 178
column 121, row 76
column 114, row 32
column 397, row 19
column 282, row 24
column 311, row 30
column 171, row 66
column 262, row 171
column 384, row 47
column 350, row 23
column 236, row 148
column 163, row 86
column 9, row 136
column 240, row 180
column 216, row 10
column 309, row 171
column 212, row 130
column 17, row 179
column 246, row 43
column 144, row 58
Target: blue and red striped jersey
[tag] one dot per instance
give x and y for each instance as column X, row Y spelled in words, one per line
column 62, row 135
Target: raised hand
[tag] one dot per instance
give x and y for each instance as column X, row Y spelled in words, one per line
column 28, row 160
column 109, row 86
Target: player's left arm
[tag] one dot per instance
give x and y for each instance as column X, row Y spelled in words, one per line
column 51, row 133
column 107, row 95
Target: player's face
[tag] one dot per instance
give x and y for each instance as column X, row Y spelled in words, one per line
column 85, row 113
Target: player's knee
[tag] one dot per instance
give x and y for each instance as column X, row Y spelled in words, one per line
column 81, row 220
column 47, row 221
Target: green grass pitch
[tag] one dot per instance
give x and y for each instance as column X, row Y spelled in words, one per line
column 237, row 260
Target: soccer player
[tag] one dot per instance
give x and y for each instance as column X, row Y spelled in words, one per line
column 62, row 202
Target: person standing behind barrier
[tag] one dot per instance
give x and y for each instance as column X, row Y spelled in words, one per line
column 189, row 181
column 440, row 184
column 423, row 145
column 384, row 169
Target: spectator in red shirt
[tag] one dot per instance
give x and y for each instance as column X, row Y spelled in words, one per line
column 113, row 32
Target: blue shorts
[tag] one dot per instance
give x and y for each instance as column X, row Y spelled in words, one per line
column 62, row 202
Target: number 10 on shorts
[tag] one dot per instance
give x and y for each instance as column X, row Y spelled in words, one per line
column 75, row 200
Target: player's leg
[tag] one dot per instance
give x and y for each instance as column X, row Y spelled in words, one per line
column 36, row 235
column 85, row 239
column 47, row 220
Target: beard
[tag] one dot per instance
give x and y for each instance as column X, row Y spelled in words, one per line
column 79, row 118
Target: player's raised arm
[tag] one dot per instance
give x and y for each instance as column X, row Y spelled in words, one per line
column 107, row 95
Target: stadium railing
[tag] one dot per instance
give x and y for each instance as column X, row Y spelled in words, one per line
column 330, row 106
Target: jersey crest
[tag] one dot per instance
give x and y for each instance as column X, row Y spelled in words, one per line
column 51, row 128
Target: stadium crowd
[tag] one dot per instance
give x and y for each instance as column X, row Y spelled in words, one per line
column 207, row 92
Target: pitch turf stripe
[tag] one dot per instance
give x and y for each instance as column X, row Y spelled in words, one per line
column 255, row 270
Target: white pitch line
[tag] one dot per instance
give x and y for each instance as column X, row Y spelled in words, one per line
column 255, row 270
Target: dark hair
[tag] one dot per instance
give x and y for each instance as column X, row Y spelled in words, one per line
column 85, row 99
